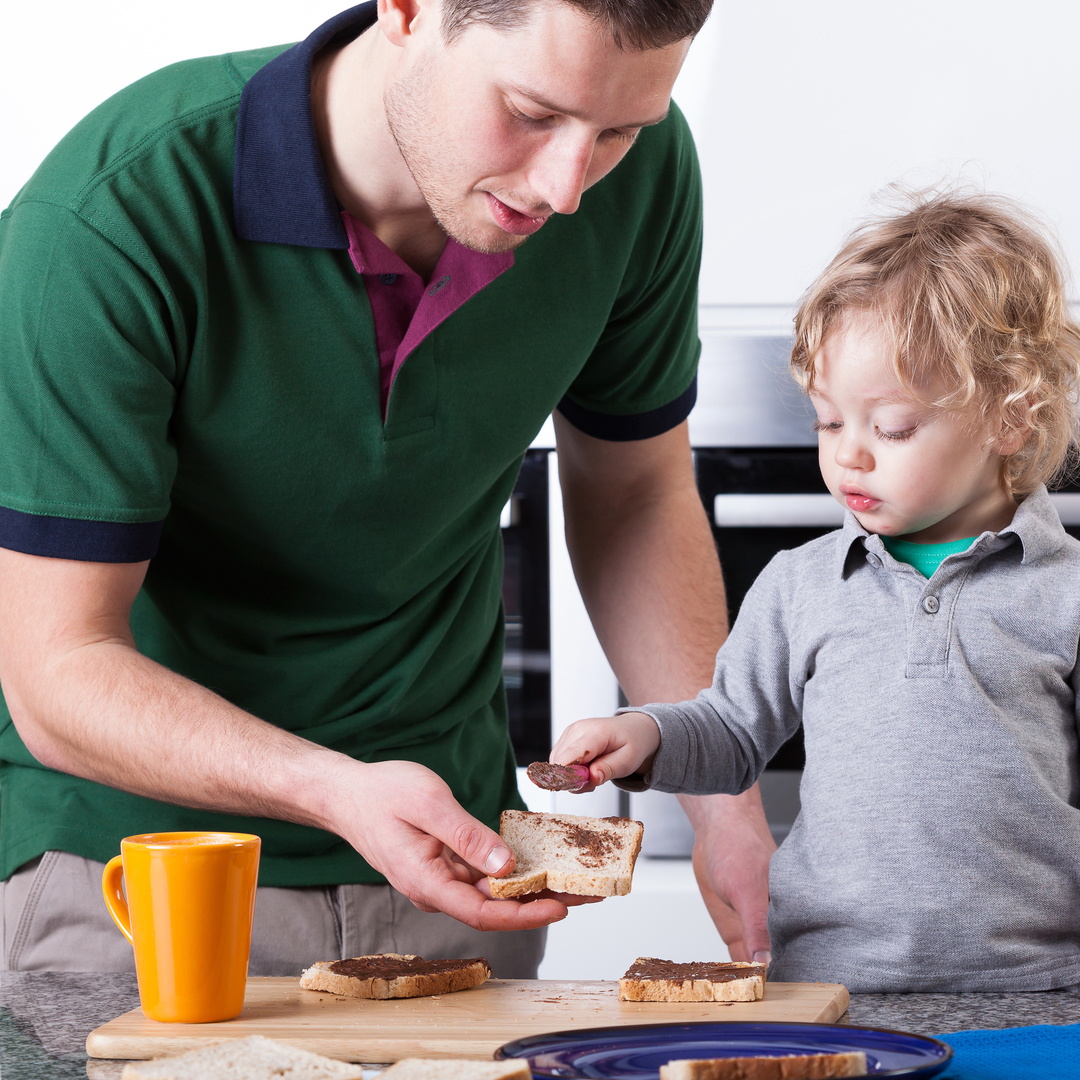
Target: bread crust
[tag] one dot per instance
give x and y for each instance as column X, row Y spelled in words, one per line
column 668, row 981
column 782, row 1067
column 395, row 975
column 593, row 856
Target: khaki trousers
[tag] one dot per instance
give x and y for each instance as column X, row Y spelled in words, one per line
column 54, row 919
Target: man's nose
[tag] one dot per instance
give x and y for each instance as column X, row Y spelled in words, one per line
column 561, row 173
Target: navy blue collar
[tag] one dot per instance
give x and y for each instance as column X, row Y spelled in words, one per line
column 280, row 191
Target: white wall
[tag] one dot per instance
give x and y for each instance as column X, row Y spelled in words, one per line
column 58, row 60
column 802, row 110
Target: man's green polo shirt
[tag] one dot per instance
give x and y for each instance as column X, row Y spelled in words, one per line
column 205, row 394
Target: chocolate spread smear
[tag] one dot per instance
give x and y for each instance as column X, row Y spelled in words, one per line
column 555, row 777
column 388, row 967
column 591, row 847
column 649, row 967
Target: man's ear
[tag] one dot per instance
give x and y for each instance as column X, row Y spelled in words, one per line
column 397, row 18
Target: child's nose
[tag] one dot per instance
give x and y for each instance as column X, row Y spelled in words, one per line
column 852, row 452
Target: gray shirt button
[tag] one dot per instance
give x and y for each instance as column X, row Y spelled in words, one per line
column 930, row 605
column 872, row 559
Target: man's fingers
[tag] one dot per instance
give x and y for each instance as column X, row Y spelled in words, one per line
column 571, row 899
column 755, row 923
column 567, row 899
column 723, row 915
column 518, row 915
column 470, row 904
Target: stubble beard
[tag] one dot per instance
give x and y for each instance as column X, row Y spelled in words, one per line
column 408, row 103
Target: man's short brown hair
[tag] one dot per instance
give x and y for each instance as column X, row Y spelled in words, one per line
column 970, row 292
column 636, row 24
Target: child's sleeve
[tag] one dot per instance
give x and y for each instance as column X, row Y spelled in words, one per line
column 722, row 740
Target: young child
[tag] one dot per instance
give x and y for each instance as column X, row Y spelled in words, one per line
column 929, row 646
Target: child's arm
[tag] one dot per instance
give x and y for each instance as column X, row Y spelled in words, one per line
column 612, row 746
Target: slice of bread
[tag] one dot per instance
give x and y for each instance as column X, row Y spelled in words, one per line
column 457, row 1069
column 650, row 979
column 566, row 853
column 783, row 1067
column 394, row 975
column 254, row 1058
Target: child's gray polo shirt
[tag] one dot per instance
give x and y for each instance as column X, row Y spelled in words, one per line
column 938, row 847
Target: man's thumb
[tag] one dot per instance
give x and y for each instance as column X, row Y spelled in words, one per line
column 756, row 938
column 481, row 847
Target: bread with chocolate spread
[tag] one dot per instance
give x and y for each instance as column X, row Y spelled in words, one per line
column 781, row 1067
column 650, row 979
column 567, row 853
column 394, row 975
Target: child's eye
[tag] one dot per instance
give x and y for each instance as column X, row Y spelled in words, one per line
column 895, row 436
column 828, row 425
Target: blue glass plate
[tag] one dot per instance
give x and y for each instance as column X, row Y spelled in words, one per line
column 637, row 1052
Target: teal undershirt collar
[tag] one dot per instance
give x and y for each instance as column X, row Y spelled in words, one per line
column 926, row 558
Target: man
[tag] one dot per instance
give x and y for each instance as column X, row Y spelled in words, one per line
column 273, row 345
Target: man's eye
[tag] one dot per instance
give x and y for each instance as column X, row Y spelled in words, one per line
column 524, row 117
column 828, row 425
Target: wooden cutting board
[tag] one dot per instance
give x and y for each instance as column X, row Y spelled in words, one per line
column 469, row 1023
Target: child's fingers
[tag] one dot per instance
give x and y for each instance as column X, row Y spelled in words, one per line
column 611, row 746
column 585, row 740
column 619, row 763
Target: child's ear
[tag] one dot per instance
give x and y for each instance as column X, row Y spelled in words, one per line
column 1014, row 432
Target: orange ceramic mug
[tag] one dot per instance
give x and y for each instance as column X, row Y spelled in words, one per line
column 190, row 898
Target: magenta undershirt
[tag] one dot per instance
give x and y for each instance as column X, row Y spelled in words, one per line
column 404, row 309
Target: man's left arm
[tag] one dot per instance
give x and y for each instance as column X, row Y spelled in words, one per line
column 645, row 563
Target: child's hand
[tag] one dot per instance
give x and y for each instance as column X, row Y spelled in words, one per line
column 611, row 746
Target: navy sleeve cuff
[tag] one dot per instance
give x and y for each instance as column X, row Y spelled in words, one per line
column 84, row 541
column 644, row 425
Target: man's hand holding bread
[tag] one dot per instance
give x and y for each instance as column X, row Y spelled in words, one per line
column 405, row 821
column 407, row 824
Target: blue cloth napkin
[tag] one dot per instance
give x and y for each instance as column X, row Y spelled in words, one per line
column 1039, row 1052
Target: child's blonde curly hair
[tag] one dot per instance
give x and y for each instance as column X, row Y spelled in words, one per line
column 970, row 291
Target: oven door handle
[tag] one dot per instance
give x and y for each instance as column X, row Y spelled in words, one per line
column 776, row 511
column 1068, row 506
column 784, row 511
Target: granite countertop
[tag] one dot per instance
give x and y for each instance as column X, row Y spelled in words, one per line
column 46, row 1016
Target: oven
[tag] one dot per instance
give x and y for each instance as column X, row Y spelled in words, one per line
column 526, row 597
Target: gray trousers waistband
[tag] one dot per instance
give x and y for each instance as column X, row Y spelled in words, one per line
column 54, row 918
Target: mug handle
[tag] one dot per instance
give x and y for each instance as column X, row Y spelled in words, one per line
column 115, row 900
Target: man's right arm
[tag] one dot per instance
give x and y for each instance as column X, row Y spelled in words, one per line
column 86, row 702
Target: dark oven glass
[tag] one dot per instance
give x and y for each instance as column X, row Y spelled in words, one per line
column 789, row 470
column 527, row 606
column 745, row 551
